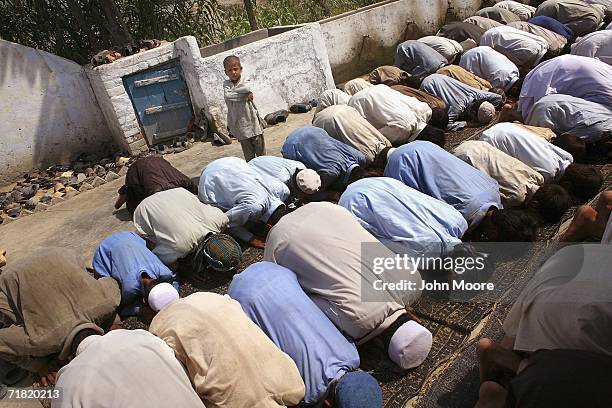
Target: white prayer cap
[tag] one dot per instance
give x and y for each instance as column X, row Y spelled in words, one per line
column 410, row 345
column 308, row 181
column 486, row 112
column 86, row 342
column 161, row 295
column 391, row 150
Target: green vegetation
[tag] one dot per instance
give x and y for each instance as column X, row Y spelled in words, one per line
column 78, row 29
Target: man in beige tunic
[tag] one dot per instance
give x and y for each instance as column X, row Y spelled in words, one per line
column 46, row 299
column 517, row 181
column 333, row 257
column 345, row 124
column 175, row 221
column 465, row 76
column 230, row 361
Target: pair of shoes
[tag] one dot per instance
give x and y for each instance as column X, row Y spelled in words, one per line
column 300, row 108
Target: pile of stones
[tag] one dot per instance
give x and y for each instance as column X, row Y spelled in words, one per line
column 37, row 190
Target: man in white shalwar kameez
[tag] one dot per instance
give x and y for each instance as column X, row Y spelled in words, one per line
column 524, row 11
column 544, row 157
column 125, row 368
column 595, row 45
column 345, row 123
column 332, row 97
column 556, row 42
column 398, row 117
column 522, row 48
column 492, row 66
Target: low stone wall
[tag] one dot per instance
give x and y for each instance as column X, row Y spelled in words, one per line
column 361, row 40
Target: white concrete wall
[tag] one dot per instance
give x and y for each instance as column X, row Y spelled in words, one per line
column 48, row 112
column 285, row 69
column 364, row 39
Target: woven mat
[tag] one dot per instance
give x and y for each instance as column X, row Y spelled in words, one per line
column 449, row 377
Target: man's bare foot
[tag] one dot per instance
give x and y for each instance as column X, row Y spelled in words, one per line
column 257, row 243
column 509, row 114
column 604, row 208
column 491, row 395
column 494, row 360
column 583, row 225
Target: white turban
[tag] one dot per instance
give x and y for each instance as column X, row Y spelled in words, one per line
column 355, row 85
column 486, row 112
column 391, row 150
column 161, row 295
column 308, row 181
column 410, row 345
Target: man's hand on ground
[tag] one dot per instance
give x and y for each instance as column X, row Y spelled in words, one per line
column 257, row 243
column 49, row 379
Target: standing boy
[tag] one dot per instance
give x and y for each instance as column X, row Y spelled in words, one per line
column 242, row 118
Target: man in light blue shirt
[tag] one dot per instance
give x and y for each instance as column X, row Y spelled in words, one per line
column 396, row 213
column 463, row 101
column 272, row 298
column 418, row 59
column 277, row 167
column 335, row 162
column 245, row 194
column 125, row 257
column 437, row 173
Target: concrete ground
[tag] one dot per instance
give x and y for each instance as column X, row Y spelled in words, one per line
column 83, row 221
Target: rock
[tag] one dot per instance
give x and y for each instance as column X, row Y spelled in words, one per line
column 110, row 176
column 29, row 191
column 8, row 188
column 99, row 170
column 2, row 257
column 98, row 181
column 67, row 174
column 121, row 161
column 32, row 203
column 89, row 172
column 123, row 171
column 81, row 177
column 59, row 187
column 46, row 199
column 50, row 192
column 85, row 186
column 56, row 200
column 41, row 207
column 71, row 193
column 58, row 194
column 23, row 213
column 70, row 189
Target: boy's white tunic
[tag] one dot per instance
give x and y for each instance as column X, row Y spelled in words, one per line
column 125, row 369
column 175, row 221
column 322, row 243
column 517, row 181
column 398, row 117
column 242, row 117
column 544, row 157
column 345, row 123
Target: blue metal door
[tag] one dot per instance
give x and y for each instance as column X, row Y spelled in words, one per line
column 161, row 100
